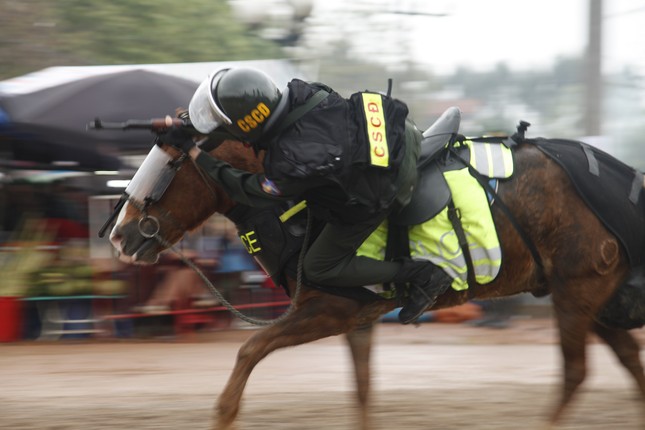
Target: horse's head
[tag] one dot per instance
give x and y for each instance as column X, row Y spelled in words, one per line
column 168, row 196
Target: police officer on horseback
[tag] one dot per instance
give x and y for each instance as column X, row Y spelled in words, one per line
column 352, row 160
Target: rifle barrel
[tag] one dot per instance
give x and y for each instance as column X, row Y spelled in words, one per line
column 155, row 124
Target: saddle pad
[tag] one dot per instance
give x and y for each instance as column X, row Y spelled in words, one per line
column 608, row 187
column 432, row 194
column 493, row 160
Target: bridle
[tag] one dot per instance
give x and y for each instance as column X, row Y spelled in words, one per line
column 143, row 191
column 147, row 187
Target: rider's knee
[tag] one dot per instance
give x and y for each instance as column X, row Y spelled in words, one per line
column 316, row 271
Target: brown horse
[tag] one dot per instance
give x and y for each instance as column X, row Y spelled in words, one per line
column 582, row 264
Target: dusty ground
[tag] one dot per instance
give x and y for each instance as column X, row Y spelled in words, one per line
column 432, row 377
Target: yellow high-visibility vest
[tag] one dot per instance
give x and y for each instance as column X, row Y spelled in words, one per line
column 436, row 240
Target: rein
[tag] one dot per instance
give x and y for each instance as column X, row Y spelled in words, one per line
column 215, row 292
column 149, row 227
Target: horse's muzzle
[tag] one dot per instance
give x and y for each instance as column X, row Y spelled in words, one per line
column 132, row 246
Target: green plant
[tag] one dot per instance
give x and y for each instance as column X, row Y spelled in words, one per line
column 25, row 254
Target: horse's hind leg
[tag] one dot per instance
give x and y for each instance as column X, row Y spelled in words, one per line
column 627, row 350
column 575, row 303
column 573, row 326
column 360, row 345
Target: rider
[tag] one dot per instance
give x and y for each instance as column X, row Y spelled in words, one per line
column 317, row 147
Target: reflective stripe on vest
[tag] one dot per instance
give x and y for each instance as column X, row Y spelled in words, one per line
column 493, row 160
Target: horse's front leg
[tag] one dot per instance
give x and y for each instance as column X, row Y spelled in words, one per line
column 303, row 325
column 360, row 345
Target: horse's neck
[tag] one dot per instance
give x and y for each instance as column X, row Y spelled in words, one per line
column 240, row 157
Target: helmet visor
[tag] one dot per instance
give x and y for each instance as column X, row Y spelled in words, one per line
column 204, row 113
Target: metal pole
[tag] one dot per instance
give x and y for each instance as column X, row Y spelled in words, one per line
column 593, row 72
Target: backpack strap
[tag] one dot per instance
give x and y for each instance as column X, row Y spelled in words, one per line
column 301, row 110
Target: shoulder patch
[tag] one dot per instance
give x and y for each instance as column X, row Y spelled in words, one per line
column 269, row 187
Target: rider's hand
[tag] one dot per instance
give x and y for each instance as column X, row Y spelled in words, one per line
column 179, row 138
column 182, row 113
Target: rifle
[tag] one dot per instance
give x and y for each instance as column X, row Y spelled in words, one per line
column 162, row 125
column 157, row 125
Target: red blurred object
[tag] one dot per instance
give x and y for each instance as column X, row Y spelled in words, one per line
column 67, row 229
column 268, row 283
column 458, row 314
column 10, row 319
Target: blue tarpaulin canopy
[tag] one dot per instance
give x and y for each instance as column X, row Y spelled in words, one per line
column 4, row 118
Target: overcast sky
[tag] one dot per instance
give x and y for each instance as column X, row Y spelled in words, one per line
column 480, row 33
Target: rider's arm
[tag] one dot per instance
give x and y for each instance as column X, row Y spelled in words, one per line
column 250, row 189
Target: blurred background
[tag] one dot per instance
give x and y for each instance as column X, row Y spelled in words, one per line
column 572, row 69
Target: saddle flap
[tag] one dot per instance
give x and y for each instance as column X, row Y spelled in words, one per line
column 430, row 196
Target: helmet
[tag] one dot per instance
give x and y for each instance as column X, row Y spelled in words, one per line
column 241, row 100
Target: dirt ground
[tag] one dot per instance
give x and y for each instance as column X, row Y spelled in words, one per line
column 435, row 376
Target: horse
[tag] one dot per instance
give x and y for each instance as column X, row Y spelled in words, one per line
column 554, row 245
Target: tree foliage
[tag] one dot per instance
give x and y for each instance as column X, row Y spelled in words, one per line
column 40, row 33
column 28, row 37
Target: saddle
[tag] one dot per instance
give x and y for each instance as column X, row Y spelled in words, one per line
column 431, row 193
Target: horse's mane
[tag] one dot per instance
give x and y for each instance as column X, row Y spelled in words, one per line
column 239, row 156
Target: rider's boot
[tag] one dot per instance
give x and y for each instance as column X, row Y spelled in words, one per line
column 426, row 282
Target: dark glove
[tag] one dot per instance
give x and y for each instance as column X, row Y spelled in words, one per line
column 179, row 138
column 183, row 115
